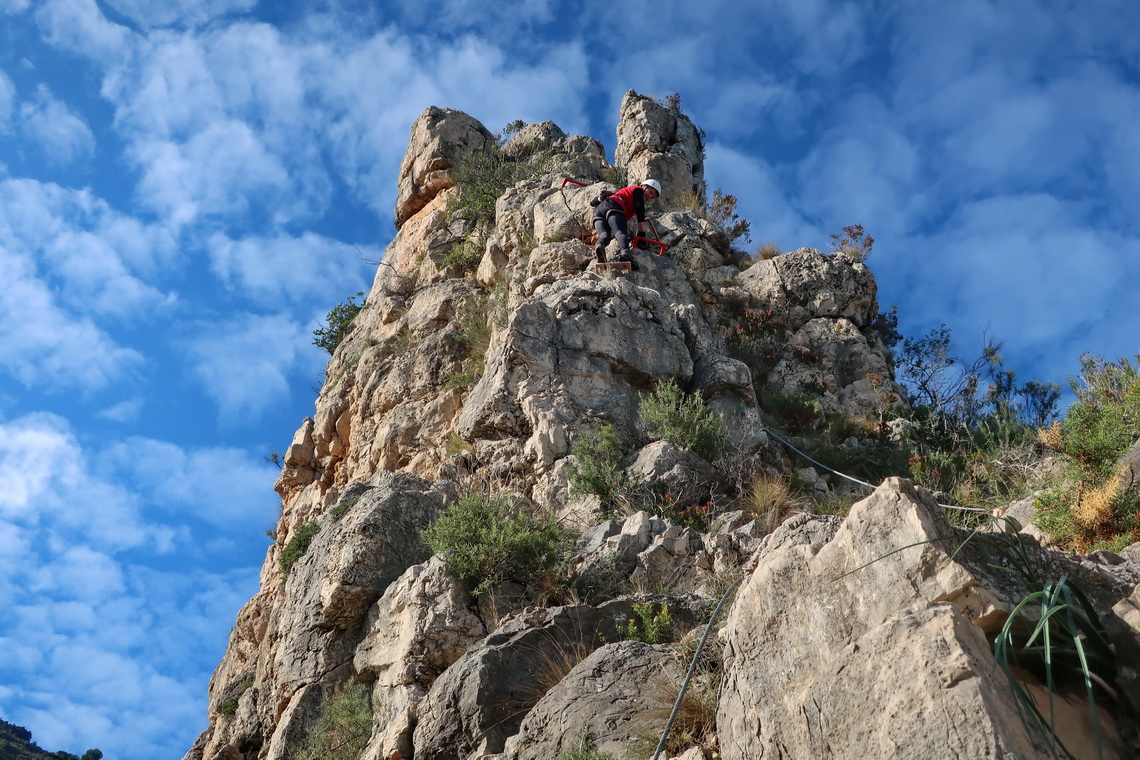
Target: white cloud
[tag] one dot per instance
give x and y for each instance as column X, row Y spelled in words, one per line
column 763, row 198
column 13, row 6
column 7, row 101
column 79, row 26
column 214, row 173
column 226, row 487
column 40, row 344
column 123, row 411
column 245, row 362
column 155, row 13
column 864, row 171
column 294, row 269
column 99, row 257
column 60, row 134
column 49, row 487
column 1033, row 272
column 505, row 21
column 68, row 259
column 103, row 651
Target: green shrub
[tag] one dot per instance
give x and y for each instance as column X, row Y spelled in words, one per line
column 683, row 420
column 482, row 176
column 648, row 626
column 297, row 546
column 1092, row 508
column 466, row 254
column 596, row 468
column 343, row 728
column 339, row 322
column 344, row 506
column 475, row 317
column 229, row 707
column 485, row 542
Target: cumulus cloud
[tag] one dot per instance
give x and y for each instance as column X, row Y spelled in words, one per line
column 60, row 134
column 7, row 101
column 100, row 259
column 245, row 362
column 285, row 268
column 41, row 344
column 107, row 651
column 69, row 261
column 80, row 27
column 225, row 487
column 123, row 411
column 762, row 198
column 155, row 13
column 213, row 173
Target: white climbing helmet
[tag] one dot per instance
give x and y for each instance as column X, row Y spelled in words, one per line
column 652, row 183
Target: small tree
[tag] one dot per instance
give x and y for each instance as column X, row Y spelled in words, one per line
column 722, row 212
column 339, row 322
column 596, row 468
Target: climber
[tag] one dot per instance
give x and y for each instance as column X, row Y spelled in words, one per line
column 613, row 213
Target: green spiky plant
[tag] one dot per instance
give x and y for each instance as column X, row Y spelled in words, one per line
column 1055, row 633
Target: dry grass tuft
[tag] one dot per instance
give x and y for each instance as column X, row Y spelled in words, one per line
column 1094, row 509
column 1050, row 437
column 695, row 725
column 771, row 501
column 767, row 251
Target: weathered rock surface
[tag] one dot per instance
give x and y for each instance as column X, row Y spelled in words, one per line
column 607, row 695
column 480, row 701
column 860, row 638
column 877, row 651
column 660, row 142
column 440, row 137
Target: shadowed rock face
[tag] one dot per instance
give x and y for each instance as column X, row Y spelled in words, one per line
column 459, row 377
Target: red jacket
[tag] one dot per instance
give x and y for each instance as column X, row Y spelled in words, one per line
column 632, row 201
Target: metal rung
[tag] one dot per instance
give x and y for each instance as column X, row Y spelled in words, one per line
column 599, row 266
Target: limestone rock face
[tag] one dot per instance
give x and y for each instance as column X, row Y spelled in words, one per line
column 480, row 373
column 480, row 701
column 660, row 142
column 420, row 626
column 607, row 696
column 575, row 348
column 439, row 138
column 302, row 631
column 903, row 671
column 821, row 307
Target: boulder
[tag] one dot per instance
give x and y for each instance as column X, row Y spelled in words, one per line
column 421, row 625
column 482, row 699
column 606, row 697
column 905, row 671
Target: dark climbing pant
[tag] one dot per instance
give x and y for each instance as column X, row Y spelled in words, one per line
column 609, row 221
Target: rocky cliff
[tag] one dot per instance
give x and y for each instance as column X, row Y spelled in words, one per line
column 863, row 636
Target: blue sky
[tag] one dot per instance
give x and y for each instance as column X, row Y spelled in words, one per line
column 188, row 186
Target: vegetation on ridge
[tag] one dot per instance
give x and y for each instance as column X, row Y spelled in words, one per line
column 16, row 744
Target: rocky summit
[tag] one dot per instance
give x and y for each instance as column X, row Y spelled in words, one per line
column 629, row 420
